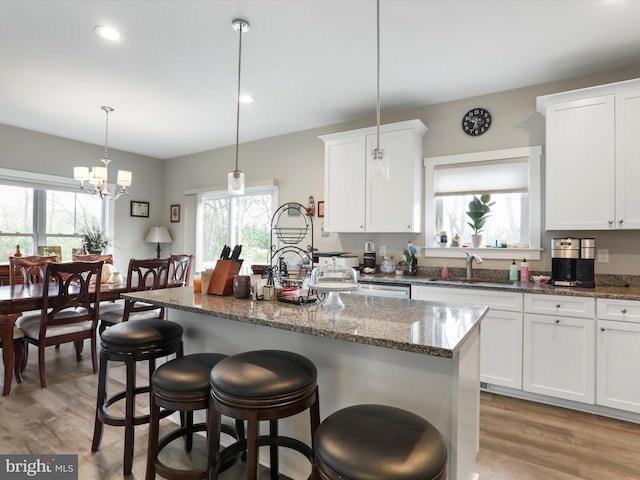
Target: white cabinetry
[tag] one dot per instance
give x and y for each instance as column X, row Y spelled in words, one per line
column 356, row 201
column 618, row 354
column 501, row 330
column 559, row 346
column 592, row 146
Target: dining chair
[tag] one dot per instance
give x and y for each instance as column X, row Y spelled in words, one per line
column 18, row 354
column 29, row 269
column 142, row 274
column 180, row 268
column 70, row 311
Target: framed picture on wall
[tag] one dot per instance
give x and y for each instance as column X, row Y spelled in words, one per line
column 321, row 209
column 175, row 213
column 139, row 209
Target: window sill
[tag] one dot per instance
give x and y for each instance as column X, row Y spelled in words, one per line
column 485, row 253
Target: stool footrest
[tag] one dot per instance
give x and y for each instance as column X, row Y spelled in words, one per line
column 235, row 449
column 118, row 420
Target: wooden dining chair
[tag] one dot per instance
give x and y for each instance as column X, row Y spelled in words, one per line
column 29, row 269
column 18, row 354
column 142, row 274
column 180, row 268
column 70, row 312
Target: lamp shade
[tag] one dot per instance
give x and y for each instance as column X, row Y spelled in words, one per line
column 158, row 235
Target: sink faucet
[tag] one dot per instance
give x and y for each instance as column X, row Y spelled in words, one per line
column 470, row 258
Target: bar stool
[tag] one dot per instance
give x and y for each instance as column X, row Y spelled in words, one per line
column 378, row 442
column 261, row 385
column 131, row 342
column 182, row 385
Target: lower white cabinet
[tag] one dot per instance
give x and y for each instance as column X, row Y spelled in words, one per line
column 559, row 348
column 501, row 330
column 618, row 354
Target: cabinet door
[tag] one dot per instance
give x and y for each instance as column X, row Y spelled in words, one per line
column 580, row 157
column 392, row 202
column 501, row 349
column 619, row 365
column 558, row 357
column 627, row 160
column 345, row 185
column 500, row 330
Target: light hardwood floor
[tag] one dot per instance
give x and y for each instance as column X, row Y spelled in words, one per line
column 519, row 440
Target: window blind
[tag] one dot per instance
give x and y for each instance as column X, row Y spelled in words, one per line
column 493, row 176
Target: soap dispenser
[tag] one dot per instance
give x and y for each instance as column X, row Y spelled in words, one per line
column 524, row 271
column 513, row 272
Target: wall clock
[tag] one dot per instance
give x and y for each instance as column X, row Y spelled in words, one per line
column 476, row 121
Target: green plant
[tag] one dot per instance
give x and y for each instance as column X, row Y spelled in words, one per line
column 95, row 239
column 479, row 208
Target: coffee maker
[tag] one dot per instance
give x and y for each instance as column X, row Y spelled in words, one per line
column 369, row 257
column 572, row 262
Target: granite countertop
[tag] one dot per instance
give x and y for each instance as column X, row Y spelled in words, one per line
column 427, row 328
column 620, row 292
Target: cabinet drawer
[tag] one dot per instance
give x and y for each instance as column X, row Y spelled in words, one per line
column 621, row 310
column 566, row 306
column 495, row 300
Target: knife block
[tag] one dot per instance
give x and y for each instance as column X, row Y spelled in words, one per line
column 222, row 277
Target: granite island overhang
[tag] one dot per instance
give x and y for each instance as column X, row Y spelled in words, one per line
column 417, row 355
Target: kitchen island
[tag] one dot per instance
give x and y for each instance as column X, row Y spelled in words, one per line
column 417, row 355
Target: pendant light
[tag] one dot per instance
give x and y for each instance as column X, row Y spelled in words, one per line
column 378, row 167
column 235, row 179
column 98, row 176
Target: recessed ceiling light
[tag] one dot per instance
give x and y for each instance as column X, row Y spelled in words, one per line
column 107, row 32
column 245, row 99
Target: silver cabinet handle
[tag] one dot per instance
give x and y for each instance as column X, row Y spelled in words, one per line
column 610, row 222
column 624, row 310
column 557, row 320
column 620, row 221
column 558, row 306
column 602, row 329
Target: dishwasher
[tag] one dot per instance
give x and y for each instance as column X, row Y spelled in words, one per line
column 389, row 290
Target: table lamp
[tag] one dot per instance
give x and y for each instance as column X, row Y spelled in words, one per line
column 158, row 235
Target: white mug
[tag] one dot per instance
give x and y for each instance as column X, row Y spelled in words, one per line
column 441, row 239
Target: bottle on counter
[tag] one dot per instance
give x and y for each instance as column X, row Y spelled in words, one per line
column 513, row 272
column 524, row 271
column 18, row 252
column 445, row 271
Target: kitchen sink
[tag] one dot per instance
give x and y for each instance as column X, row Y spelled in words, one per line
column 471, row 281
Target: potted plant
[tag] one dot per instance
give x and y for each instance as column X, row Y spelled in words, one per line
column 95, row 240
column 479, row 208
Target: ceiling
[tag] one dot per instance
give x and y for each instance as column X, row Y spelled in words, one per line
column 172, row 77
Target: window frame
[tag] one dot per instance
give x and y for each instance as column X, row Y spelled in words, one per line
column 534, row 155
column 40, row 182
column 254, row 188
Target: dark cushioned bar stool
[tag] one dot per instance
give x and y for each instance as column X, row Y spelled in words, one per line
column 256, row 386
column 182, row 385
column 131, row 342
column 377, row 442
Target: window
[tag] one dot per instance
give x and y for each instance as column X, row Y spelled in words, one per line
column 39, row 210
column 245, row 220
column 511, row 177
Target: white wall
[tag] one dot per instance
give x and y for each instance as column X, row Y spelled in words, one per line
column 296, row 161
column 37, row 152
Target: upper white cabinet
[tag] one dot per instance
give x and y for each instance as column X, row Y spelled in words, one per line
column 592, row 157
column 355, row 200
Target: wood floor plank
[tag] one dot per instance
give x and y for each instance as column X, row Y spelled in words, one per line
column 519, row 440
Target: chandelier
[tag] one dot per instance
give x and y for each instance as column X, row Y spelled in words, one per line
column 97, row 177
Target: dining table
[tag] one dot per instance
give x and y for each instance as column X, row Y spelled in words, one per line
column 16, row 299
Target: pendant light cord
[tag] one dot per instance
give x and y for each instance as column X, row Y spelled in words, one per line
column 241, row 27
column 378, row 78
